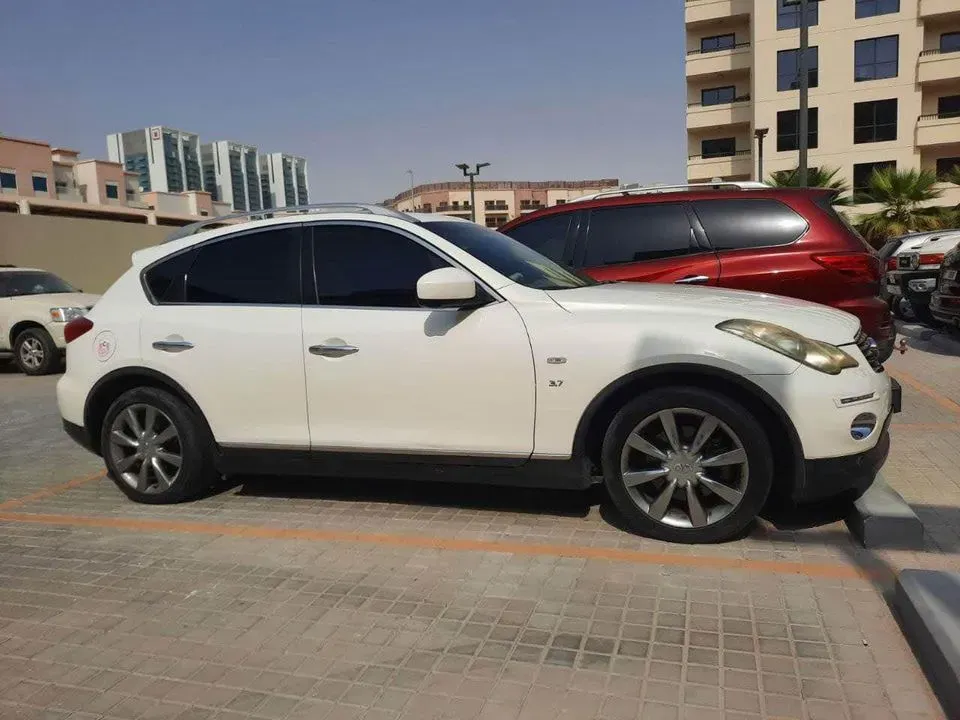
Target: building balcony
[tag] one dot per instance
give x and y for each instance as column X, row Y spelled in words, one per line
column 938, row 66
column 933, row 130
column 708, row 11
column 718, row 62
column 930, row 9
column 722, row 166
column 738, row 112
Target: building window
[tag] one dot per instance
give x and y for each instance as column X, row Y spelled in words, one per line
column 875, row 121
column 495, row 222
column 113, row 191
column 947, row 165
column 720, row 147
column 561, row 202
column 131, row 194
column 718, row 96
column 872, row 8
column 950, row 42
column 788, row 16
column 948, row 106
column 788, row 69
column 788, row 129
column 39, row 183
column 876, row 58
column 8, row 180
column 862, row 173
column 718, row 42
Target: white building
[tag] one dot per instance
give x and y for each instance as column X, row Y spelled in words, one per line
column 231, row 174
column 165, row 159
column 284, row 180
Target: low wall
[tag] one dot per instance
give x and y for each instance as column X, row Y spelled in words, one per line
column 89, row 254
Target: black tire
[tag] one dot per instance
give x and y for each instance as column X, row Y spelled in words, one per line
column 26, row 347
column 737, row 418
column 193, row 441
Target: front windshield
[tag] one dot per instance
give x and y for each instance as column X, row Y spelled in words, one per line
column 30, row 282
column 508, row 257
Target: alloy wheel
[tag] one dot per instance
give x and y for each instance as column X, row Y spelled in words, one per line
column 145, row 448
column 31, row 353
column 684, row 468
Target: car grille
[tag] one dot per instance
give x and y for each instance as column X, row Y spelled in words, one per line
column 869, row 349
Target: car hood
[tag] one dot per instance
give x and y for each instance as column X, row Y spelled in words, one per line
column 672, row 303
column 49, row 300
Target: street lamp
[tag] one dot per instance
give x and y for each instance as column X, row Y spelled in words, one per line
column 760, row 134
column 471, row 174
column 412, row 203
column 803, row 115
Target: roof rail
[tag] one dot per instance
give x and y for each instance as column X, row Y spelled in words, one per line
column 685, row 187
column 369, row 208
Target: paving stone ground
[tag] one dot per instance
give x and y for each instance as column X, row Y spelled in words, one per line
column 277, row 598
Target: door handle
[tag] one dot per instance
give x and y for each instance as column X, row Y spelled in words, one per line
column 692, row 280
column 172, row 346
column 334, row 351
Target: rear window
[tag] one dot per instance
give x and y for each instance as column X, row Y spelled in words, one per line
column 733, row 224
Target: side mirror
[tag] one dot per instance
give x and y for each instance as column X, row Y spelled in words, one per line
column 448, row 288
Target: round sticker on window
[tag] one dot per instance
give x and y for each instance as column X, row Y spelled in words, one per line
column 105, row 345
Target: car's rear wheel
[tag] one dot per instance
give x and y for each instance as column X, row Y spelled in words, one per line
column 35, row 352
column 687, row 465
column 156, row 448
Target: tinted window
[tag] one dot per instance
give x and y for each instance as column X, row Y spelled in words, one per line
column 39, row 183
column 717, row 42
column 732, row 224
column 875, row 121
column 30, row 282
column 637, row 233
column 948, row 106
column 876, row 58
column 548, row 235
column 950, row 42
column 862, row 173
column 720, row 147
column 872, row 8
column 947, row 165
column 166, row 281
column 259, row 268
column 788, row 129
column 718, row 96
column 8, row 180
column 361, row 266
column 112, row 192
column 788, row 16
column 788, row 69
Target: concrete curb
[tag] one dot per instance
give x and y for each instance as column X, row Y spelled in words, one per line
column 881, row 518
column 934, row 338
column 928, row 605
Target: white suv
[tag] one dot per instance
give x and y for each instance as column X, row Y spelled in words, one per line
column 35, row 306
column 362, row 342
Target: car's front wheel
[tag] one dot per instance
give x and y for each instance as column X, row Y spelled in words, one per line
column 35, row 352
column 687, row 465
column 156, row 448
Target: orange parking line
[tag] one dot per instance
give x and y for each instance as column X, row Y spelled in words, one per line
column 942, row 400
column 51, row 491
column 821, row 570
column 925, row 426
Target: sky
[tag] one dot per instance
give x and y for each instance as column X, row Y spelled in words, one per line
column 364, row 89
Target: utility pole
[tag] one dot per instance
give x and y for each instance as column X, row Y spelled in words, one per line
column 803, row 118
column 760, row 134
column 471, row 174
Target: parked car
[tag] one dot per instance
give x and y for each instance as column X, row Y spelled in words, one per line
column 35, row 306
column 363, row 342
column 895, row 252
column 745, row 236
column 945, row 300
column 919, row 270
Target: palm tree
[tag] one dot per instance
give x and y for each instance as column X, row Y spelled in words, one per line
column 819, row 177
column 903, row 195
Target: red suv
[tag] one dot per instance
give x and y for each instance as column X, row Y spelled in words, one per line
column 785, row 241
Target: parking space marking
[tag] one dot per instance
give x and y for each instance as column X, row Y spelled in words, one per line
column 262, row 532
column 942, row 400
column 50, row 491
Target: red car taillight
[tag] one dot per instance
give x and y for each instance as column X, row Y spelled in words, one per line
column 892, row 263
column 863, row 267
column 931, row 259
column 75, row 328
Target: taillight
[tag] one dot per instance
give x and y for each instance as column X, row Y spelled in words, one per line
column 892, row 263
column 857, row 266
column 931, row 259
column 75, row 328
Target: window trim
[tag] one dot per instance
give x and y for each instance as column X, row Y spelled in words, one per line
column 751, row 248
column 210, row 241
column 493, row 295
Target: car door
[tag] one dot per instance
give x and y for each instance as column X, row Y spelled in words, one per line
column 225, row 324
column 649, row 242
column 387, row 375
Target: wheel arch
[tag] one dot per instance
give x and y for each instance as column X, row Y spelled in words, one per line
column 22, row 325
column 115, row 383
column 788, row 456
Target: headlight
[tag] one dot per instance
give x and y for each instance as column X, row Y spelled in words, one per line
column 66, row 314
column 820, row 356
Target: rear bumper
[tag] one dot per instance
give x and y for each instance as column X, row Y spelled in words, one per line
column 875, row 318
column 79, row 435
column 917, row 297
column 945, row 308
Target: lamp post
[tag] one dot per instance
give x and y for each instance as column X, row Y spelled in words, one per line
column 471, row 174
column 413, row 205
column 803, row 115
column 760, row 134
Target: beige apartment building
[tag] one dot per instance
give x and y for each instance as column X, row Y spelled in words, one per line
column 497, row 201
column 884, row 80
